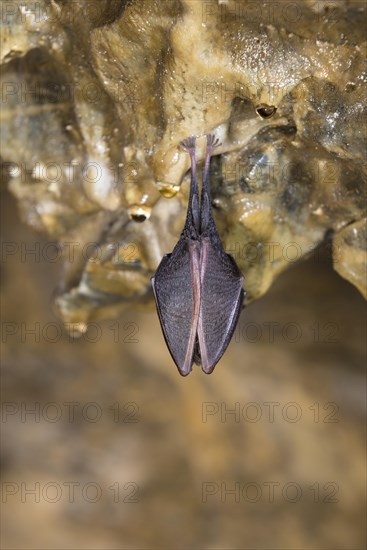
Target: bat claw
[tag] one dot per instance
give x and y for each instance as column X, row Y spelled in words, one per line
column 189, row 143
column 212, row 142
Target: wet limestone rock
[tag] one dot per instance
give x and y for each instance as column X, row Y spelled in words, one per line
column 97, row 97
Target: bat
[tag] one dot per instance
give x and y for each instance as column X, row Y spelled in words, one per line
column 198, row 287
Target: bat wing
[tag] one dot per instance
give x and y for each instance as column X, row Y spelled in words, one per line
column 176, row 286
column 221, row 300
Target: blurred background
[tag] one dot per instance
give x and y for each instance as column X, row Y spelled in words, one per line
column 105, row 446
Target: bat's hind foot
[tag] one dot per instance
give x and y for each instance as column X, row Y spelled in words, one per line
column 212, row 142
column 189, row 144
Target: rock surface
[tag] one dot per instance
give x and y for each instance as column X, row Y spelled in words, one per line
column 98, row 96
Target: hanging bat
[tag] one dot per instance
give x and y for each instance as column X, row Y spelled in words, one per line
column 198, row 287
